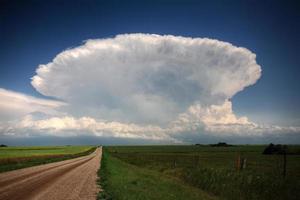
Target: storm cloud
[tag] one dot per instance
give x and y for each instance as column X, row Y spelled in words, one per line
column 146, row 86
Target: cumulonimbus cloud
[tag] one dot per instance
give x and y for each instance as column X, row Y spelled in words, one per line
column 147, row 86
column 146, row 78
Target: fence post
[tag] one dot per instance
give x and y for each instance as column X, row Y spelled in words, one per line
column 244, row 163
column 238, row 162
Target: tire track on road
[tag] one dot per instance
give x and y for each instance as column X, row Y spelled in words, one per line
column 9, row 180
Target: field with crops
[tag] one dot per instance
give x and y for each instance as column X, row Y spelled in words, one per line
column 19, row 157
column 17, row 152
column 236, row 172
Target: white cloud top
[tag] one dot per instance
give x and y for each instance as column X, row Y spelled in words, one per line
column 144, row 86
column 14, row 105
column 146, row 78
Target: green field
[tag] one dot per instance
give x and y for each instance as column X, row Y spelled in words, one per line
column 15, row 152
column 199, row 168
column 12, row 158
column 121, row 180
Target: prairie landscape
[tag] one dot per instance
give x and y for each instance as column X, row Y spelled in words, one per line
column 149, row 100
column 198, row 172
column 151, row 172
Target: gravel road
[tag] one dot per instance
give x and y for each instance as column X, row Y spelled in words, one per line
column 70, row 179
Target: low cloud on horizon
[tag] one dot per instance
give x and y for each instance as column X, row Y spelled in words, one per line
column 149, row 87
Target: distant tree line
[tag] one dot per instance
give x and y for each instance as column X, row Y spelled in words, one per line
column 220, row 144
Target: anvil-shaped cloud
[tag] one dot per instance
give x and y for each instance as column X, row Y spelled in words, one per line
column 146, row 78
column 145, row 86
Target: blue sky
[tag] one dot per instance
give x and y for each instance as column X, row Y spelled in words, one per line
column 34, row 32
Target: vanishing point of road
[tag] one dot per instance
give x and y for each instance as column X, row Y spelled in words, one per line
column 66, row 180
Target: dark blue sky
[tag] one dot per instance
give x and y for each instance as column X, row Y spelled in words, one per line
column 33, row 32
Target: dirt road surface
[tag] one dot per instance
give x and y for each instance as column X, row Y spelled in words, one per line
column 70, row 179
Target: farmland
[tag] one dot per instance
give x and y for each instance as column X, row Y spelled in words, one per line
column 19, row 157
column 121, row 180
column 202, row 168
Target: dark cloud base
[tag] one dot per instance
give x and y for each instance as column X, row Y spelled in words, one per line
column 76, row 140
column 288, row 138
column 92, row 140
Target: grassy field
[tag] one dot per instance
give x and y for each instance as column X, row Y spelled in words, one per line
column 210, row 169
column 16, row 152
column 124, row 181
column 12, row 158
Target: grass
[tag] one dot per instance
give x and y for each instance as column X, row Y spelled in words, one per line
column 213, row 169
column 17, row 152
column 124, row 181
column 12, row 158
